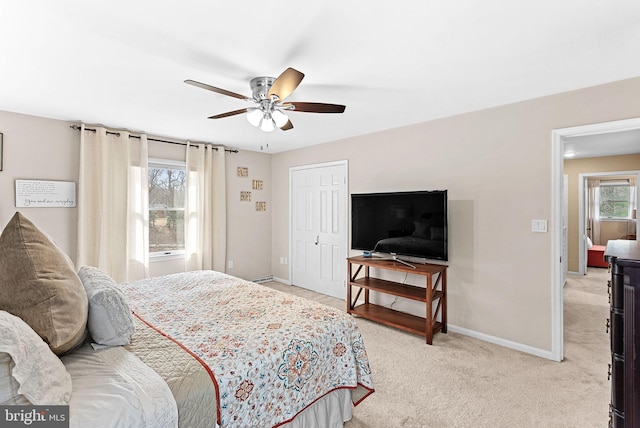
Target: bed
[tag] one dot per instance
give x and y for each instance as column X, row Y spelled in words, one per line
column 268, row 355
column 195, row 349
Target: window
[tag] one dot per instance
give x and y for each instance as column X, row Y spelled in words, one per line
column 167, row 181
column 614, row 199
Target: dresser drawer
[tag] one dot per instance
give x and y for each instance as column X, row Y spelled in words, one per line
column 616, row 334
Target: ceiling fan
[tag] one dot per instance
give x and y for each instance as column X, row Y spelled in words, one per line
column 268, row 96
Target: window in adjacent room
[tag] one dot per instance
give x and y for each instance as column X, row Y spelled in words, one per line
column 167, row 180
column 615, row 199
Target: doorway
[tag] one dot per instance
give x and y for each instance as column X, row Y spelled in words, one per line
column 319, row 229
column 583, row 225
column 558, row 138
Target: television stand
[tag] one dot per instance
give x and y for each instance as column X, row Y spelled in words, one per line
column 434, row 295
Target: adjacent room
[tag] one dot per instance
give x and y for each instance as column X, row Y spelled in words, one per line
column 326, row 214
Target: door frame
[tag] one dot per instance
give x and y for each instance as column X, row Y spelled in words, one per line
column 292, row 169
column 558, row 137
column 582, row 208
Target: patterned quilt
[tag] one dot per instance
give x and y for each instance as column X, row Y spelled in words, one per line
column 270, row 354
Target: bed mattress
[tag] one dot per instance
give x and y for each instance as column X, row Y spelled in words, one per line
column 112, row 388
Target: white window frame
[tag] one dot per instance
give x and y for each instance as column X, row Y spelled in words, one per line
column 159, row 256
column 606, row 183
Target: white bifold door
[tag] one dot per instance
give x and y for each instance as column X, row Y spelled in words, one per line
column 319, row 204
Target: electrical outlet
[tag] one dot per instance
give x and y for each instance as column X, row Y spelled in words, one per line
column 230, row 264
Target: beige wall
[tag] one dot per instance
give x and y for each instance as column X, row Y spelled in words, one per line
column 48, row 149
column 37, row 148
column 249, row 231
column 573, row 168
column 613, row 230
column 496, row 165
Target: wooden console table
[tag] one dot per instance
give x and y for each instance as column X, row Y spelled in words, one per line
column 433, row 293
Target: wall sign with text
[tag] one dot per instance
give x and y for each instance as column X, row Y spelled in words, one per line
column 49, row 194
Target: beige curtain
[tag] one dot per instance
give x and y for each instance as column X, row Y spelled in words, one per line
column 205, row 208
column 113, row 215
column 593, row 210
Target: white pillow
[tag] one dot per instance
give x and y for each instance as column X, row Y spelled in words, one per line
column 589, row 243
column 29, row 371
column 110, row 320
column 9, row 395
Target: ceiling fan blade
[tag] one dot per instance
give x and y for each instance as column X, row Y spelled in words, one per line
column 286, row 83
column 229, row 113
column 287, row 126
column 214, row 89
column 316, row 107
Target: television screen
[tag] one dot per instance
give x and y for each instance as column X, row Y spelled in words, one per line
column 402, row 223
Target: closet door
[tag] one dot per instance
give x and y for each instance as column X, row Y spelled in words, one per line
column 319, row 228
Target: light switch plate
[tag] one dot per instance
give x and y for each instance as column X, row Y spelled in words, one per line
column 539, row 226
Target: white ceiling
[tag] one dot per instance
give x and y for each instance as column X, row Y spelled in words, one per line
column 122, row 63
column 609, row 144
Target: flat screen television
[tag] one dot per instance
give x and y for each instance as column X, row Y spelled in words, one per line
column 401, row 223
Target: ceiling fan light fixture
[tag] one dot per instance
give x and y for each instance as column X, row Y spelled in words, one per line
column 254, row 116
column 267, row 124
column 279, row 118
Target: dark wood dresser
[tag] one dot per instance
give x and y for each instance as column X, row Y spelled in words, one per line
column 624, row 329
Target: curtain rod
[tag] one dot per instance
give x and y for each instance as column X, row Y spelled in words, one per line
column 76, row 127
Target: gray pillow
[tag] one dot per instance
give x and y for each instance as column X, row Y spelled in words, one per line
column 110, row 320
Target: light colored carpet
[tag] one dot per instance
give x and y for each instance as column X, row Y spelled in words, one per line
column 465, row 382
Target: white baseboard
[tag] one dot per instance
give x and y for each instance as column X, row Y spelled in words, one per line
column 282, row 281
column 543, row 353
